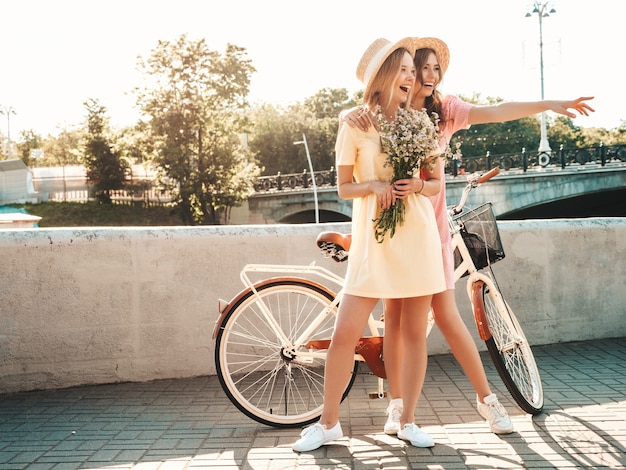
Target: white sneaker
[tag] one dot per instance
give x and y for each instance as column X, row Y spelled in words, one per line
column 412, row 433
column 315, row 436
column 495, row 414
column 392, row 426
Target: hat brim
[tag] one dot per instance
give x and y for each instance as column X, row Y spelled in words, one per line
column 441, row 50
column 375, row 56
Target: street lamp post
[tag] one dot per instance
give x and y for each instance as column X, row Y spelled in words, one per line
column 8, row 110
column 308, row 156
column 541, row 9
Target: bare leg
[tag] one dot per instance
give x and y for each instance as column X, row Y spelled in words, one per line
column 392, row 347
column 351, row 321
column 449, row 321
column 413, row 323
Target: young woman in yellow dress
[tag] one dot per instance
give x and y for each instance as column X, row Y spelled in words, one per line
column 407, row 266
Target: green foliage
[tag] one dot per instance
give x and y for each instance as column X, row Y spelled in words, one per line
column 136, row 144
column 497, row 138
column 194, row 100
column 273, row 135
column 512, row 136
column 594, row 135
column 65, row 149
column 328, row 103
column 564, row 132
column 105, row 170
column 276, row 129
column 28, row 144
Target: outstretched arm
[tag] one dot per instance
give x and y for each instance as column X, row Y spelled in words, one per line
column 510, row 111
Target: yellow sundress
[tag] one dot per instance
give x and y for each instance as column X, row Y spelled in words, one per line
column 407, row 265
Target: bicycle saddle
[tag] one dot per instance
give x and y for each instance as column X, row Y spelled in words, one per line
column 334, row 245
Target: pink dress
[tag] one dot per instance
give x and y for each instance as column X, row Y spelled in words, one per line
column 456, row 112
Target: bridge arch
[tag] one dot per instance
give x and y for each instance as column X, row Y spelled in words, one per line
column 298, row 206
column 308, row 217
column 514, row 194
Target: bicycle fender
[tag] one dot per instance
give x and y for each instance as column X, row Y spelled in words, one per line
column 225, row 310
column 478, row 309
column 371, row 348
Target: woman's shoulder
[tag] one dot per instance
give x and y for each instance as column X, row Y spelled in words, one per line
column 354, row 132
column 456, row 113
column 453, row 105
column 448, row 100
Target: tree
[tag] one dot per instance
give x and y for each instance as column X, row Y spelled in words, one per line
column 329, row 102
column 326, row 105
column 275, row 130
column 597, row 135
column 272, row 139
column 28, row 144
column 193, row 100
column 136, row 143
column 105, row 169
column 564, row 132
column 65, row 149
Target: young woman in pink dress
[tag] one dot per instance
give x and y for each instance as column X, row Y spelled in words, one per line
column 431, row 61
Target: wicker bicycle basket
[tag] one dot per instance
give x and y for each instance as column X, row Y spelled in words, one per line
column 481, row 236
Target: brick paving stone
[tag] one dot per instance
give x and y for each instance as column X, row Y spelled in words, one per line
column 190, row 424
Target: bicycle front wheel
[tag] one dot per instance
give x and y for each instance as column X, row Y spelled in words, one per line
column 509, row 349
column 265, row 374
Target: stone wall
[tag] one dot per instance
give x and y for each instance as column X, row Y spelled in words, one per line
column 101, row 305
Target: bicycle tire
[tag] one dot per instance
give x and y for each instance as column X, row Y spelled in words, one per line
column 509, row 349
column 269, row 384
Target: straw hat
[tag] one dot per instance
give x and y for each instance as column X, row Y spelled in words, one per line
column 437, row 45
column 375, row 56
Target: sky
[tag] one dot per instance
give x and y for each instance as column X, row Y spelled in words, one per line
column 56, row 54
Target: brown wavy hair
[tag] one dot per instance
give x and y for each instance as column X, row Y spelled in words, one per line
column 434, row 102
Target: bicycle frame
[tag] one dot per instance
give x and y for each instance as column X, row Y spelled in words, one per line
column 374, row 326
column 475, row 278
column 273, row 336
column 472, row 283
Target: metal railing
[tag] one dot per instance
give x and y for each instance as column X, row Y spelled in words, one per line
column 523, row 161
column 76, row 189
column 295, row 181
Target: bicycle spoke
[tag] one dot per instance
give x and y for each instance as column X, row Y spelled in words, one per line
column 512, row 355
column 263, row 371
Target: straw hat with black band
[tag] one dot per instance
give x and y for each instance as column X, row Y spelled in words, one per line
column 375, row 56
column 441, row 50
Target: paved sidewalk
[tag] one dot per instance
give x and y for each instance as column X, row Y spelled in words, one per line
column 190, row 424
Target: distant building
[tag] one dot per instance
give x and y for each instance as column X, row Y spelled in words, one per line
column 16, row 183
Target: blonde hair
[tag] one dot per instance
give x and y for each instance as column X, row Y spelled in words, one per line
column 380, row 90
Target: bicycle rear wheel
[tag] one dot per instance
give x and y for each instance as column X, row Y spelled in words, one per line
column 509, row 348
column 268, row 377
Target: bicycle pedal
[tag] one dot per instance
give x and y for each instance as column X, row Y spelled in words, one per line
column 374, row 395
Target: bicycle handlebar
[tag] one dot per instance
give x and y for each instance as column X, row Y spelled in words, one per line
column 336, row 245
column 490, row 174
column 473, row 181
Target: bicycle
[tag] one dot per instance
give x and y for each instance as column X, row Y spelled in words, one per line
column 272, row 337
